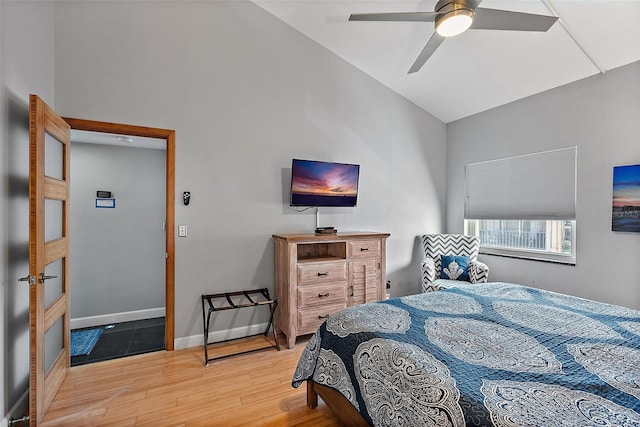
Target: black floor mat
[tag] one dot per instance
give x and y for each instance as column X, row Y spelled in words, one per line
column 125, row 339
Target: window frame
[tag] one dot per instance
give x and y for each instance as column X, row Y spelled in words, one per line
column 526, row 253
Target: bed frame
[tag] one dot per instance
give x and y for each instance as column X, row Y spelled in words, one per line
column 341, row 407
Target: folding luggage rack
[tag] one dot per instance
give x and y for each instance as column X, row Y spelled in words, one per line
column 225, row 301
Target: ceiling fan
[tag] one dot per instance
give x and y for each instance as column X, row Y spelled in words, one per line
column 453, row 17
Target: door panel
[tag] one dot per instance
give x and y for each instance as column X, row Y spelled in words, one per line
column 48, row 251
column 54, row 289
column 53, row 154
column 364, row 278
column 53, row 344
column 53, row 214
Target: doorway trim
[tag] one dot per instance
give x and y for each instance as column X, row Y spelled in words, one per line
column 169, row 136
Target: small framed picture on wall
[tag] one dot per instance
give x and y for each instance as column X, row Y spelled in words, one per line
column 625, row 213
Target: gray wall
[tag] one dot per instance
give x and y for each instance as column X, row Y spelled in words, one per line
column 117, row 254
column 26, row 66
column 600, row 115
column 246, row 93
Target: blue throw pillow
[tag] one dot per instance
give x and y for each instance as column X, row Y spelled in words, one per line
column 455, row 267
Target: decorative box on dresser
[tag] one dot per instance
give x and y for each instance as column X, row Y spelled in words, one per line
column 317, row 275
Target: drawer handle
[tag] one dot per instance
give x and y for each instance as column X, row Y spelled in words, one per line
column 323, row 295
column 364, row 249
column 323, row 274
column 323, row 317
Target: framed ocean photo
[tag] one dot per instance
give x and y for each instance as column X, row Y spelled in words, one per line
column 625, row 214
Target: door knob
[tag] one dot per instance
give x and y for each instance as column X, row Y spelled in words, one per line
column 43, row 277
column 30, row 279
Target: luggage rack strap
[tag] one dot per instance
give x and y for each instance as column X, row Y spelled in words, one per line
column 209, row 298
column 227, row 303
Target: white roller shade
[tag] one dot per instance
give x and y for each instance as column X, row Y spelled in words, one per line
column 531, row 186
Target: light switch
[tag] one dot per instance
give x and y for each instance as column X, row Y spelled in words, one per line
column 182, row 231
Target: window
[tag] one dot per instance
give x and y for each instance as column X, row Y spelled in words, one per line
column 549, row 240
column 524, row 206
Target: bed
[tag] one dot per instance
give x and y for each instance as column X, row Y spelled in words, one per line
column 496, row 354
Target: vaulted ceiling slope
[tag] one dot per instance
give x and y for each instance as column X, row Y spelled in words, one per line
column 479, row 69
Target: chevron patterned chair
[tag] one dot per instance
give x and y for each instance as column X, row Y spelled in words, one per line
column 438, row 245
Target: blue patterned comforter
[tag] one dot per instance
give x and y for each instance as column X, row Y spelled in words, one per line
column 485, row 354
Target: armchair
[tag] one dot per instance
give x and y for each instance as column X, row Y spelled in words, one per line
column 438, row 245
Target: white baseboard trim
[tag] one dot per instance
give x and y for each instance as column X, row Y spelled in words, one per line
column 197, row 340
column 16, row 411
column 105, row 319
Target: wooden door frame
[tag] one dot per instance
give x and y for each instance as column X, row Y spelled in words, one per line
column 169, row 136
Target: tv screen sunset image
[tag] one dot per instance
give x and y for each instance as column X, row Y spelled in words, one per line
column 625, row 214
column 323, row 183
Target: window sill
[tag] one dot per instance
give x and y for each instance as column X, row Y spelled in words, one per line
column 531, row 256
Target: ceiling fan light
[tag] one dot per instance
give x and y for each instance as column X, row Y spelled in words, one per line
column 455, row 22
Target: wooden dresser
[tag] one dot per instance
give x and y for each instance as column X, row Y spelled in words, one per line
column 317, row 275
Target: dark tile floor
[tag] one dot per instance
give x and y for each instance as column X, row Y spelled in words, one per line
column 125, row 339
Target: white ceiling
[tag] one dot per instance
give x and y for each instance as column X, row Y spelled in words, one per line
column 480, row 69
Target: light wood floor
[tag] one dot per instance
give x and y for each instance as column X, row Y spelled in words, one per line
column 176, row 389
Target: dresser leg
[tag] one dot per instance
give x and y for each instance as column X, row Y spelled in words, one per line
column 291, row 341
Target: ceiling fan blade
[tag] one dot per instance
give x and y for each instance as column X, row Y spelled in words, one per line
column 401, row 16
column 494, row 19
column 431, row 46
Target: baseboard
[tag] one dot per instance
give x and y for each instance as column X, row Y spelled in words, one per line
column 197, row 340
column 105, row 319
column 17, row 410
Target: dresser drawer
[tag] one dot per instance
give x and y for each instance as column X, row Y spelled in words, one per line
column 363, row 249
column 322, row 272
column 310, row 319
column 318, row 295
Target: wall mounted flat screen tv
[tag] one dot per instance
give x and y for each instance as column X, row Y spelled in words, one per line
column 315, row 183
